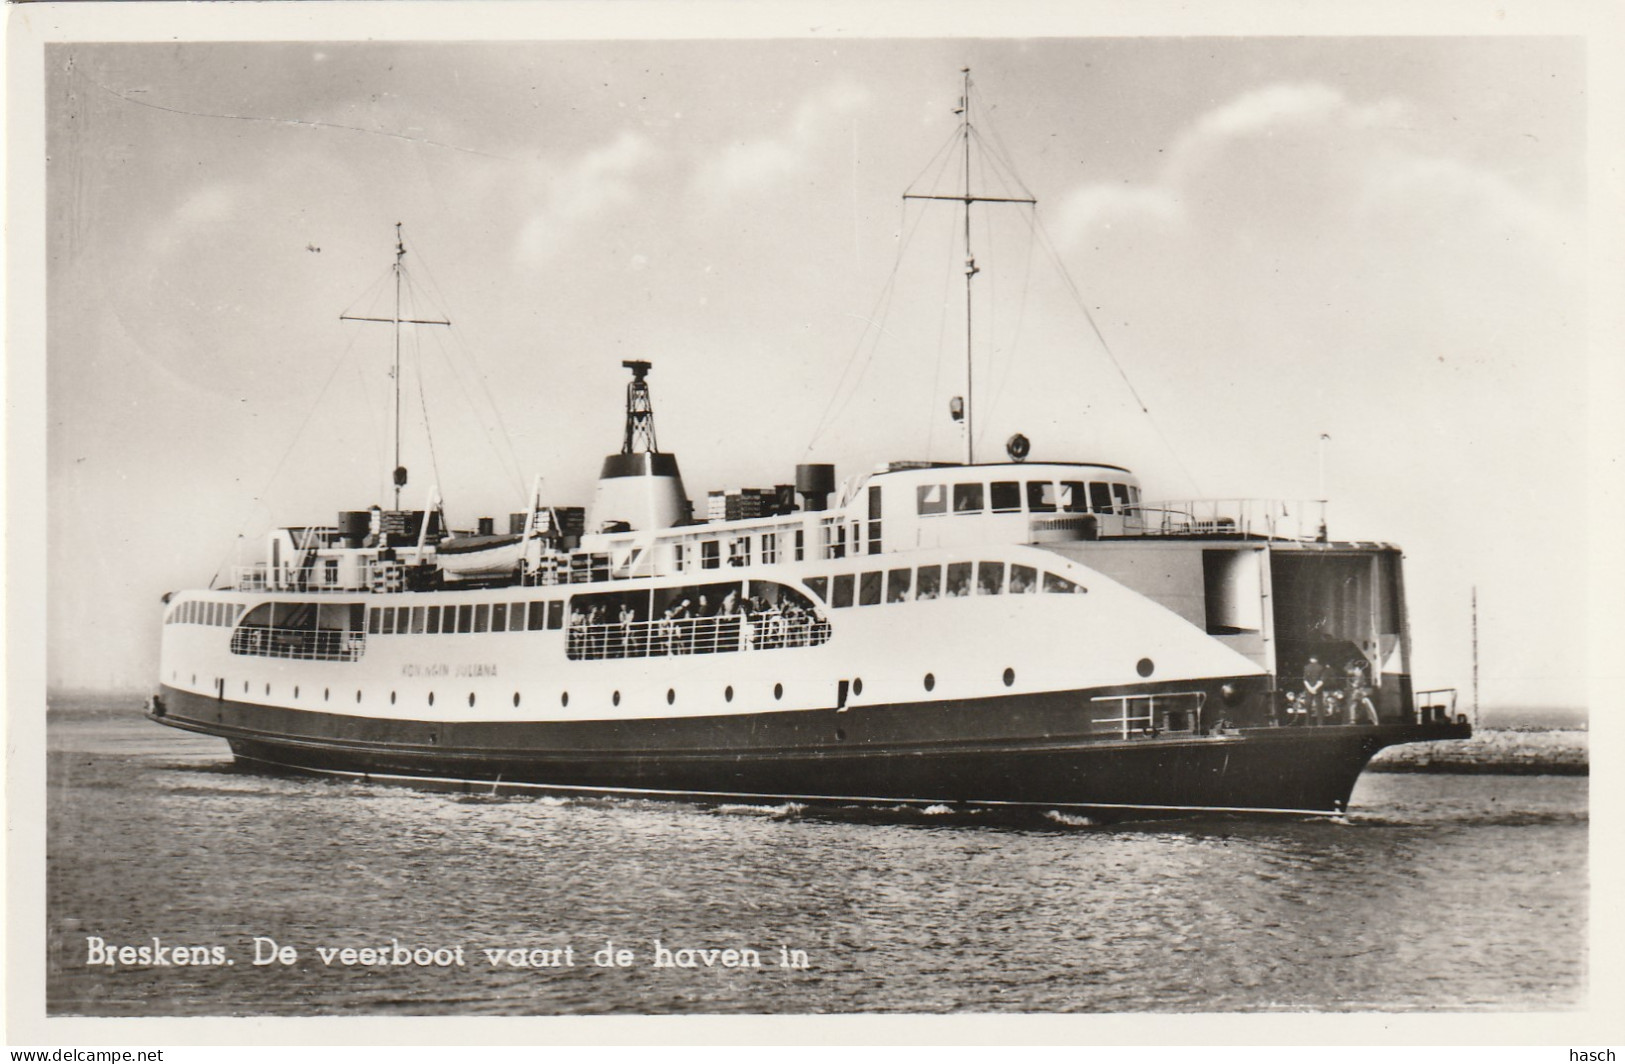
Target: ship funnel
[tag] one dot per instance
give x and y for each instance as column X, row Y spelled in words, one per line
column 816, row 482
column 640, row 487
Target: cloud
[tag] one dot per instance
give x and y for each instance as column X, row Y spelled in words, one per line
column 573, row 195
column 1303, row 130
column 745, row 166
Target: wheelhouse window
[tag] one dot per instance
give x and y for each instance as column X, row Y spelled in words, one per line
column 841, row 593
column 1041, row 496
column 967, row 498
column 931, row 499
column 710, row 554
column 897, row 584
column 1121, row 496
column 1023, row 580
column 989, row 578
column 869, row 588
column 1005, row 495
column 1074, row 497
column 959, row 578
column 930, row 583
column 1100, row 497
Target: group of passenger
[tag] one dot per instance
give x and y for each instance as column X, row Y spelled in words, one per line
column 694, row 625
column 1333, row 696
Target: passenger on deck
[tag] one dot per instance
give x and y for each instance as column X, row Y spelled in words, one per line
column 665, row 637
column 1314, row 686
column 1358, row 692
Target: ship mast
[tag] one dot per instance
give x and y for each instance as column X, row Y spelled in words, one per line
column 967, row 198
column 397, row 321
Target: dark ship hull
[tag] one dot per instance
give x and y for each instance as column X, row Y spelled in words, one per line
column 1024, row 750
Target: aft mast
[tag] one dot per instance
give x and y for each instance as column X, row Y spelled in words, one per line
column 967, row 198
column 397, row 321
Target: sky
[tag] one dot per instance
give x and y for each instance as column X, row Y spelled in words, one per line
column 1376, row 239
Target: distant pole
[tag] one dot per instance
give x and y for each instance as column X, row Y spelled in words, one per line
column 1475, row 657
column 1322, row 456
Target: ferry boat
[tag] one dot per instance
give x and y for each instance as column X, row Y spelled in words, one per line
column 975, row 633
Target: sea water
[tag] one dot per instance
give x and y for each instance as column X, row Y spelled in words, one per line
column 178, row 885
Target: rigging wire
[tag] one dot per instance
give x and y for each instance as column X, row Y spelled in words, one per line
column 1048, row 244
column 276, row 470
column 882, row 306
column 516, row 469
column 1015, row 338
column 423, row 405
column 942, row 333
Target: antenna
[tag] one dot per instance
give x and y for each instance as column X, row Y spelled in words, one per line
column 399, row 474
column 967, row 198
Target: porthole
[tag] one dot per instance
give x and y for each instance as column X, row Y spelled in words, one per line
column 930, row 681
column 564, row 698
column 857, row 686
column 840, row 734
column 671, row 696
column 245, row 687
column 296, row 691
column 778, row 690
column 267, row 690
column 326, row 691
column 616, row 698
column 471, row 699
column 1146, row 667
column 516, row 700
column 1009, row 677
column 194, row 679
column 728, row 693
column 431, row 698
column 392, row 698
column 358, row 696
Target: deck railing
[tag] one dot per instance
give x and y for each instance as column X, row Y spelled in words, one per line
column 1149, row 714
column 693, row 635
column 299, row 644
column 1275, row 518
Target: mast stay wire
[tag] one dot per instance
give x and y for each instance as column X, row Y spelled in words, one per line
column 942, row 332
column 423, row 405
column 881, row 307
column 516, row 471
column 998, row 152
column 276, row 470
column 1047, row 242
column 1004, row 175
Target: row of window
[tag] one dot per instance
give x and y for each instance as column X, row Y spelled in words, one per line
column 466, row 618
column 197, row 611
column 955, row 580
column 1041, row 497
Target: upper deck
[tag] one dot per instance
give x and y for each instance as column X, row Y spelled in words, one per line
column 905, row 507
